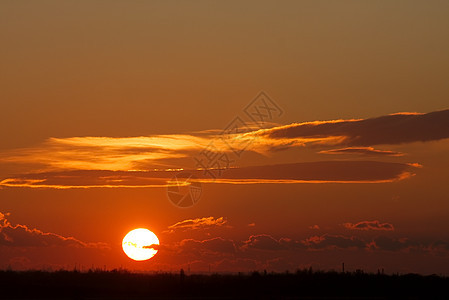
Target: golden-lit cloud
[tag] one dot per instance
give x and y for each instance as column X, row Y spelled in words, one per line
column 151, row 161
column 150, row 152
column 198, row 223
column 104, row 153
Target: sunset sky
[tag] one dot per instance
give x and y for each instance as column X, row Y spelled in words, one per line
column 317, row 132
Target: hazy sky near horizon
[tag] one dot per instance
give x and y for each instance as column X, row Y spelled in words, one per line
column 91, row 87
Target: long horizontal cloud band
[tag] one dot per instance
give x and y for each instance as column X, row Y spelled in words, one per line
column 349, row 137
column 391, row 129
column 314, row 172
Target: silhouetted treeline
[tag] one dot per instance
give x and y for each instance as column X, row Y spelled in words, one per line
column 304, row 284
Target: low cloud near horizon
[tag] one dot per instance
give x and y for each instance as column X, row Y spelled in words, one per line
column 23, row 236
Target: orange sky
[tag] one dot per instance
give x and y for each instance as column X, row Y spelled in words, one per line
column 345, row 158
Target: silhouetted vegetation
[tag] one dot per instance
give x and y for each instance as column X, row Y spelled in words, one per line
column 304, row 284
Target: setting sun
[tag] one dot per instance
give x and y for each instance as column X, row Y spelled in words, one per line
column 138, row 244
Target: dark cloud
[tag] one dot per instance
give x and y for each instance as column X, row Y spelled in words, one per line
column 327, row 241
column 370, row 151
column 439, row 247
column 325, row 171
column 23, row 236
column 393, row 244
column 212, row 246
column 369, row 225
column 313, row 172
column 390, row 244
column 263, row 242
column 263, row 251
column 391, row 129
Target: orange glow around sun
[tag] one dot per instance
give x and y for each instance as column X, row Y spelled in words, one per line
column 138, row 244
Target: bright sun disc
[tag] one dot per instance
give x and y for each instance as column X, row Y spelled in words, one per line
column 137, row 244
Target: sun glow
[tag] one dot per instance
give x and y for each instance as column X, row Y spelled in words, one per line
column 139, row 244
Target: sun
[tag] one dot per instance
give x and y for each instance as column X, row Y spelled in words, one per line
column 138, row 244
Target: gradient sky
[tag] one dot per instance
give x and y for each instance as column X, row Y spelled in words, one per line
column 99, row 99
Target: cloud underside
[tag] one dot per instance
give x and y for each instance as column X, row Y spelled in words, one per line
column 219, row 247
column 23, row 236
column 310, row 172
column 196, row 224
column 385, row 130
column 369, row 225
column 151, row 161
column 350, row 137
column 369, row 151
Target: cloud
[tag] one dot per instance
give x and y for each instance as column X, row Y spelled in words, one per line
column 105, row 153
column 388, row 130
column 23, row 236
column 370, row 151
column 263, row 251
column 439, row 247
column 214, row 246
column 385, row 243
column 327, row 241
column 369, row 225
column 409, row 245
column 147, row 161
column 198, row 223
column 149, row 152
column 268, row 243
column 263, row 242
column 309, row 172
column 320, row 171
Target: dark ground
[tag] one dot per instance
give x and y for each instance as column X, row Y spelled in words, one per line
column 303, row 284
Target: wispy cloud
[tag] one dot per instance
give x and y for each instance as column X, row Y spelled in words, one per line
column 105, row 153
column 310, row 172
column 369, row 225
column 370, row 151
